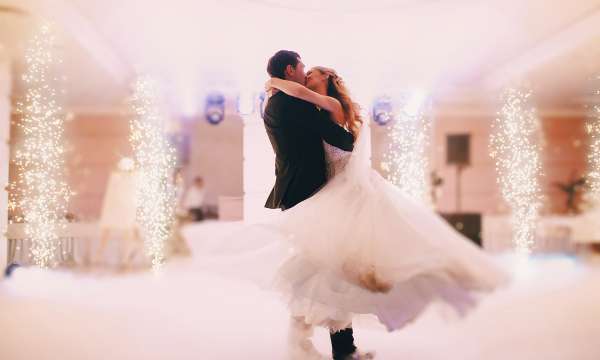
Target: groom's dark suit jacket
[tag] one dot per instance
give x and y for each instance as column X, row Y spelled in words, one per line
column 297, row 129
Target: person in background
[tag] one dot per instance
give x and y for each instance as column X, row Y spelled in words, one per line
column 193, row 199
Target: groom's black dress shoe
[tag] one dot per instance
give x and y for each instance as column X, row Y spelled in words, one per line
column 342, row 344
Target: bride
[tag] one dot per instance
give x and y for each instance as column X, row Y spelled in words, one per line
column 380, row 251
column 359, row 245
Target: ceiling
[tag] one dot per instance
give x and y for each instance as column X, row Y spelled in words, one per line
column 449, row 48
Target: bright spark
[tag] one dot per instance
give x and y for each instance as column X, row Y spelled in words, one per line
column 593, row 130
column 155, row 160
column 406, row 159
column 40, row 193
column 515, row 145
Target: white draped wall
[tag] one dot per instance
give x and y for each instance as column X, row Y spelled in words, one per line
column 5, row 105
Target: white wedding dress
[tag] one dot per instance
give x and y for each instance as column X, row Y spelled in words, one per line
column 360, row 246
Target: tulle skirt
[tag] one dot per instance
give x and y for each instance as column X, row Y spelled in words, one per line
column 360, row 246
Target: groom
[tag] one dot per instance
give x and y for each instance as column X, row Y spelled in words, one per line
column 297, row 130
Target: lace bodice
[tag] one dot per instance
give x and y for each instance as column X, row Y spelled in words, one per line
column 336, row 159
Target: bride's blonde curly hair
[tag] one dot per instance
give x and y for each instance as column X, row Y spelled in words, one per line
column 338, row 90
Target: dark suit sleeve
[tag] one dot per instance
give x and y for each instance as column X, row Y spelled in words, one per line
column 331, row 132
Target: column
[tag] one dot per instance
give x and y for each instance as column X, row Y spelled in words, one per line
column 5, row 111
column 259, row 168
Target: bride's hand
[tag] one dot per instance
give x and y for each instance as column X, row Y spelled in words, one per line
column 371, row 281
column 268, row 86
column 269, row 89
column 366, row 278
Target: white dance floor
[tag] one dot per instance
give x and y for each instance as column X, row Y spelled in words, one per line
column 550, row 312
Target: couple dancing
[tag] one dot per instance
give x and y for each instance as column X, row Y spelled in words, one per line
column 359, row 245
column 355, row 244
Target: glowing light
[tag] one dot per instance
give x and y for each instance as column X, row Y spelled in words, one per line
column 406, row 160
column 593, row 178
column 39, row 192
column 515, row 145
column 214, row 108
column 155, row 161
column 383, row 111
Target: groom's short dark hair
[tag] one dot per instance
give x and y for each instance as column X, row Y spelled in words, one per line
column 279, row 61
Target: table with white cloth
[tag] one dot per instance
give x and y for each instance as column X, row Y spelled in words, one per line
column 73, row 244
